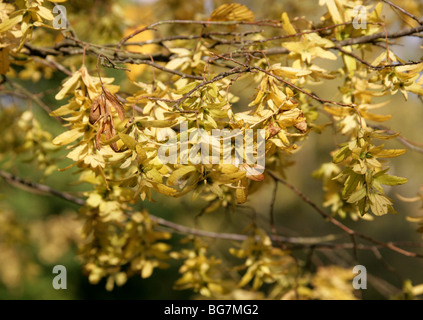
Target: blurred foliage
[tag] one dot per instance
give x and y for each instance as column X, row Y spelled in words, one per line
column 97, row 138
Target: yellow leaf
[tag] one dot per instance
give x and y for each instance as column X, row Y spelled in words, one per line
column 121, row 278
column 179, row 174
column 10, row 23
column 228, row 168
column 389, row 153
column 412, row 69
column 416, row 88
column 242, row 191
column 155, row 175
column 89, row 82
column 286, row 24
column 142, row 155
column 338, row 111
column 155, row 123
column 45, row 13
column 69, row 85
column 357, row 195
column 128, row 141
column 379, row 204
column 176, row 63
column 4, row 60
column 405, row 199
column 147, row 270
column 289, row 72
column 232, row 12
column 375, row 117
column 349, row 61
column 325, row 54
column 247, row 277
column 415, row 219
column 165, row 190
column 333, row 10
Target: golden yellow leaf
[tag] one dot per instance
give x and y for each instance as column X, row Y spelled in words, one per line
column 228, row 168
column 128, row 140
column 286, row 24
column 45, row 13
column 69, row 85
column 375, row 117
column 142, row 155
column 289, row 72
column 338, row 111
column 389, row 153
column 333, row 10
column 155, row 123
column 4, row 60
column 165, row 190
column 147, row 270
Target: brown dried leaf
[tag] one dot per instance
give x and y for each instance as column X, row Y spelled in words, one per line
column 98, row 136
column 97, row 109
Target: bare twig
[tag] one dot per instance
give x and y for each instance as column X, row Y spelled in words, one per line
column 203, row 23
column 31, row 96
column 407, row 143
column 40, row 187
column 402, row 10
column 372, row 66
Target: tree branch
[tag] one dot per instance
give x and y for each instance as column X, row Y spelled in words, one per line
column 303, row 241
column 339, row 224
column 71, row 46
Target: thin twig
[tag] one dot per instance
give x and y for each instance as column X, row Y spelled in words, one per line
column 372, row 66
column 203, row 23
column 68, row 46
column 296, row 242
column 409, row 144
column 33, row 97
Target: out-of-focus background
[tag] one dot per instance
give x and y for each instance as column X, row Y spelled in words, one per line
column 38, row 232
